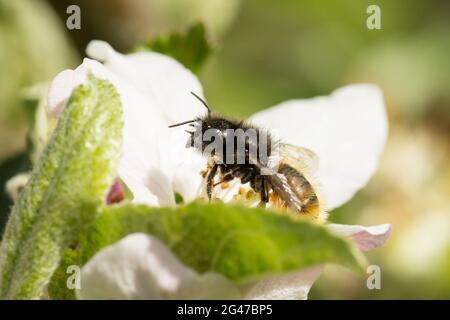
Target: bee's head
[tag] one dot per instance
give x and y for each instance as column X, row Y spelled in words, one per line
column 197, row 125
column 203, row 127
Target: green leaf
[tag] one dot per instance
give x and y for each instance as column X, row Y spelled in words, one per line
column 34, row 100
column 238, row 242
column 67, row 185
column 191, row 48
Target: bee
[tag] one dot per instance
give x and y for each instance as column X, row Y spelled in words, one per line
column 289, row 184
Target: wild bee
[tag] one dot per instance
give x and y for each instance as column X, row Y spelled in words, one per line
column 279, row 173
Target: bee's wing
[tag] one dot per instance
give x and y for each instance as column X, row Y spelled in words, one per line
column 283, row 190
column 302, row 159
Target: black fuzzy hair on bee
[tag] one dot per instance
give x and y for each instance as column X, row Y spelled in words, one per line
column 216, row 121
column 221, row 126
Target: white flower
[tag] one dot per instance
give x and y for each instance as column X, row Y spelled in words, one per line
column 347, row 130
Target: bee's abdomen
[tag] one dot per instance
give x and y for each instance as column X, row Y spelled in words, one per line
column 303, row 189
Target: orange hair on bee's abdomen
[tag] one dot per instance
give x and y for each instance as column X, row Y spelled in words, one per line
column 306, row 190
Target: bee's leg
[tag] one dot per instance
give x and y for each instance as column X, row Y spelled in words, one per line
column 247, row 176
column 264, row 191
column 225, row 178
column 254, row 185
column 257, row 184
column 227, row 175
column 210, row 180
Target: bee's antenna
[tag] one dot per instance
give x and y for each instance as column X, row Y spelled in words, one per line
column 190, row 121
column 202, row 101
column 181, row 123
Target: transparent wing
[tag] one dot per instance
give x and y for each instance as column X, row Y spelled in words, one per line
column 283, row 190
column 302, row 159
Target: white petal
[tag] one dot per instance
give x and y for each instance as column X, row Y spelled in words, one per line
column 141, row 267
column 366, row 238
column 187, row 179
column 209, row 286
column 289, row 286
column 138, row 266
column 157, row 74
column 169, row 84
column 61, row 89
column 347, row 130
column 63, row 84
column 145, row 135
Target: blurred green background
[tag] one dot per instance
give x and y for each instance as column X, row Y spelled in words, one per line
column 267, row 52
